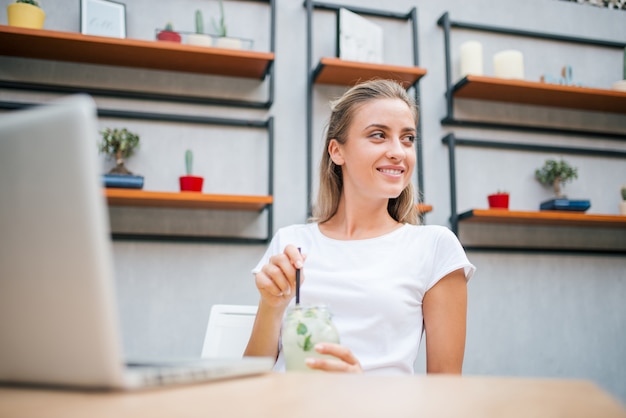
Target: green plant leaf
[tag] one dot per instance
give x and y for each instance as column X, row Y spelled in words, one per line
column 308, row 345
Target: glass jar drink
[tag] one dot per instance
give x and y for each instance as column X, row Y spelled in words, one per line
column 303, row 327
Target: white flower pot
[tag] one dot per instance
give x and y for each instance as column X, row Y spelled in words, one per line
column 199, row 39
column 226, row 42
column 622, row 207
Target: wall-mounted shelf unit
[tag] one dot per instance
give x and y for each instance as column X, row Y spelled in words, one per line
column 135, row 53
column 188, row 200
column 424, row 208
column 141, row 54
column 528, row 92
column 544, row 232
column 553, row 218
column 335, row 71
column 344, row 73
column 541, row 94
column 185, row 200
column 537, row 94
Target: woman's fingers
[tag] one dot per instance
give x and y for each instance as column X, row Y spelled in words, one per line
column 294, row 256
column 267, row 285
column 343, row 361
column 278, row 277
column 278, row 271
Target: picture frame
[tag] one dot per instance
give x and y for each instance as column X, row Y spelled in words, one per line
column 358, row 39
column 103, row 18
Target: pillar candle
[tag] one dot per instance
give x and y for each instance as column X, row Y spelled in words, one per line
column 509, row 64
column 471, row 58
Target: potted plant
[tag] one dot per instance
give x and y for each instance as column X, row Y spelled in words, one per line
column 119, row 144
column 26, row 14
column 189, row 182
column 555, row 174
column 199, row 38
column 168, row 34
column 622, row 204
column 498, row 200
column 223, row 41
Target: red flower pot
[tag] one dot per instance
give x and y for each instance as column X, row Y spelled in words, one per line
column 498, row 201
column 191, row 183
column 168, row 35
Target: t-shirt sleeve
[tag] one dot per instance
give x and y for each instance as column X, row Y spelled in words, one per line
column 272, row 248
column 449, row 256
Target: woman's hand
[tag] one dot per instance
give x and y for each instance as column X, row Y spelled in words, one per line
column 277, row 279
column 344, row 360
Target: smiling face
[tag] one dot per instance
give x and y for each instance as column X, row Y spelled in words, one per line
column 378, row 156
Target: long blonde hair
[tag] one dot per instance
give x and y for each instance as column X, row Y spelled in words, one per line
column 401, row 208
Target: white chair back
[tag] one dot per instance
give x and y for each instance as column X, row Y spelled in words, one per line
column 228, row 331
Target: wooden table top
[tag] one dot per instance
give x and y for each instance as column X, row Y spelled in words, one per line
column 327, row 395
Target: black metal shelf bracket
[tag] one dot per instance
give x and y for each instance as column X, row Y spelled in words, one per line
column 312, row 71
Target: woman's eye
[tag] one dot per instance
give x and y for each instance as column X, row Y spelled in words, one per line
column 378, row 135
column 409, row 138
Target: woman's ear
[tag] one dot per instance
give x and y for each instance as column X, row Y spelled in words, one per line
column 335, row 152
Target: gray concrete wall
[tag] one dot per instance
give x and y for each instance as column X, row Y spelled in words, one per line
column 529, row 315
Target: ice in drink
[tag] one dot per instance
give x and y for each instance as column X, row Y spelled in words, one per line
column 303, row 327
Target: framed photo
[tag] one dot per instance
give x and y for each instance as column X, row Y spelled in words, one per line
column 103, row 18
column 358, row 38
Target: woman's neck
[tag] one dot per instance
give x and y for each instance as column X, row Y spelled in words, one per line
column 359, row 221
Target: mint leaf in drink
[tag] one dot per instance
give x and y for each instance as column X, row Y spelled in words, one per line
column 302, row 329
column 308, row 345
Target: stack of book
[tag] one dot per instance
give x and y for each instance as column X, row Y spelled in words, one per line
column 566, row 204
column 122, row 181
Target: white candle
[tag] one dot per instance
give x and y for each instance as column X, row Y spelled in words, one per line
column 509, row 64
column 471, row 58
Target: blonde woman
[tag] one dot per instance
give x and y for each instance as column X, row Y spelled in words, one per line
column 386, row 278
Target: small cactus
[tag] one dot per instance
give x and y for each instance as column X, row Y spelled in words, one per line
column 189, row 161
column 623, row 192
column 220, row 27
column 169, row 27
column 199, row 22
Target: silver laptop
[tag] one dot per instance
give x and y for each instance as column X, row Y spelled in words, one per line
column 58, row 314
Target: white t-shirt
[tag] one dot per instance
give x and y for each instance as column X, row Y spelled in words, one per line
column 374, row 287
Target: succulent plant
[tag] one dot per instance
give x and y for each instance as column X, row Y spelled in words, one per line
column 189, row 161
column 169, row 27
column 623, row 190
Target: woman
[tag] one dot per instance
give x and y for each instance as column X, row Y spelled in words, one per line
column 385, row 278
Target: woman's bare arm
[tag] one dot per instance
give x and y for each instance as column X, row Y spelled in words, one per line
column 445, row 316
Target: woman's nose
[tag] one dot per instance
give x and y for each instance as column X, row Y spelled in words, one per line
column 395, row 150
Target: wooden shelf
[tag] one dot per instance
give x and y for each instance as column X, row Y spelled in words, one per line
column 185, row 200
column 541, row 94
column 554, row 218
column 424, row 208
column 347, row 73
column 156, row 55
